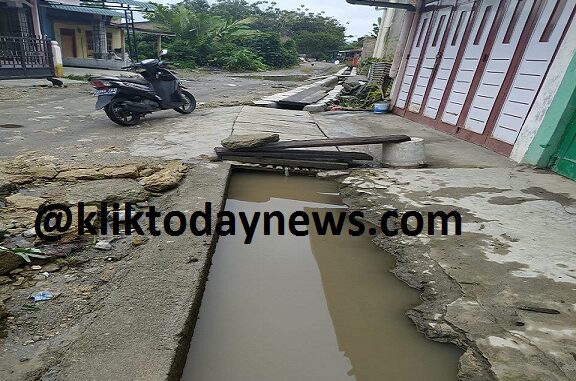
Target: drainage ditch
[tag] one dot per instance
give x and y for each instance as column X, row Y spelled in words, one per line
column 306, row 308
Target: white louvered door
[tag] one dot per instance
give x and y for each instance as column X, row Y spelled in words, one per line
column 473, row 54
column 412, row 64
column 440, row 24
column 498, row 64
column 533, row 67
column 457, row 29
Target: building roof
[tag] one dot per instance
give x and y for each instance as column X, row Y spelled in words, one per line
column 123, row 4
column 82, row 9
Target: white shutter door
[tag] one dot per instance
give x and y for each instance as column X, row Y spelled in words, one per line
column 412, row 64
column 532, row 70
column 498, row 64
column 463, row 81
column 429, row 61
column 461, row 18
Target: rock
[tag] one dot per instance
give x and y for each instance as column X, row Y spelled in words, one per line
column 21, row 201
column 126, row 171
column 109, row 190
column 29, row 233
column 166, row 178
column 5, row 279
column 249, row 141
column 103, row 245
column 321, row 107
column 353, row 83
column 51, row 268
column 139, row 241
column 3, row 311
column 44, row 171
column 147, row 172
column 6, row 186
column 80, row 174
column 106, row 275
column 9, row 262
column 36, row 267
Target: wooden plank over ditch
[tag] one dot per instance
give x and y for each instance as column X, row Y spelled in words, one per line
column 333, row 142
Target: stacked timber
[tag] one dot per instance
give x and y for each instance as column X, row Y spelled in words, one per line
column 300, row 153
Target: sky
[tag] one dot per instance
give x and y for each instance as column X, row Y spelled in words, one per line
column 359, row 17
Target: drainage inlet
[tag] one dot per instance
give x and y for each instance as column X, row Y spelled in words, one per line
column 306, row 308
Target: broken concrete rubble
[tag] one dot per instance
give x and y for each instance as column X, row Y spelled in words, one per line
column 475, row 286
column 125, row 171
column 109, row 190
column 165, row 179
column 20, row 201
column 249, row 141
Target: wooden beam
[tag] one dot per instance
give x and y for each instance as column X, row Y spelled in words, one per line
column 332, row 142
column 299, row 154
column 287, row 162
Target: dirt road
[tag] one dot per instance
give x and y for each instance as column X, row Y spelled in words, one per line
column 64, row 119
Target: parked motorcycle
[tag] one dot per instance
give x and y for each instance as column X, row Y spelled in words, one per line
column 126, row 100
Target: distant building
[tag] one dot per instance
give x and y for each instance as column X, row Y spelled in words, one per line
column 23, row 50
column 86, row 35
column 89, row 33
column 368, row 47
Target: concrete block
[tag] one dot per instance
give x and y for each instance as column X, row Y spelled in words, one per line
column 407, row 154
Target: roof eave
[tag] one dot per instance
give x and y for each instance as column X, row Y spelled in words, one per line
column 383, row 4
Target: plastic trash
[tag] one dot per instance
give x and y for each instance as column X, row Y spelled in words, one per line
column 41, row 296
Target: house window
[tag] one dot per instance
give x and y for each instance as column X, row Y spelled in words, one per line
column 89, row 40
column 458, row 27
column 517, row 12
column 109, row 42
column 482, row 26
column 440, row 26
column 422, row 31
column 553, row 21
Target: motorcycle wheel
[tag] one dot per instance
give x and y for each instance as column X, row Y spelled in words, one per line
column 190, row 104
column 119, row 115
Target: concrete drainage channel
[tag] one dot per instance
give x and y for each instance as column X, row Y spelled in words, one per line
column 313, row 97
column 318, row 307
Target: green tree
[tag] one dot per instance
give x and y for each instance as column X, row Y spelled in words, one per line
column 230, row 33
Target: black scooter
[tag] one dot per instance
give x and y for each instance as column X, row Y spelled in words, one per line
column 126, row 100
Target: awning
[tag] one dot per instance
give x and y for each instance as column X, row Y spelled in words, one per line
column 406, row 4
column 134, row 5
column 80, row 9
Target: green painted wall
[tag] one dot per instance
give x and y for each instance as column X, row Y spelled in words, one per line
column 543, row 148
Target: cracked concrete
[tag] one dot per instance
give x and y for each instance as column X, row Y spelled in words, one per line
column 482, row 290
column 494, row 290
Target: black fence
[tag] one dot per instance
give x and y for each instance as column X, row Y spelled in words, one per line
column 25, row 57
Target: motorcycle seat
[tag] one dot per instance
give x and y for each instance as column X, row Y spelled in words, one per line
column 140, row 81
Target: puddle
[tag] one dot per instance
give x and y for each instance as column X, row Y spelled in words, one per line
column 10, row 125
column 322, row 308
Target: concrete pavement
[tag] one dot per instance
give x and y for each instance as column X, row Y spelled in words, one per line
column 504, row 290
column 485, row 290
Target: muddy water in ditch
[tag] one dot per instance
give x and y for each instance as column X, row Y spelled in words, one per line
column 322, row 308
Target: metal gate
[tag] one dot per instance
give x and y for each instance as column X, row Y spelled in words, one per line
column 25, row 57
